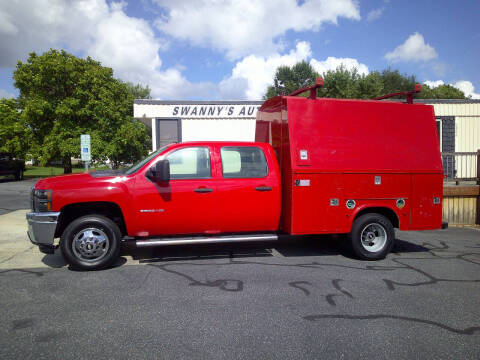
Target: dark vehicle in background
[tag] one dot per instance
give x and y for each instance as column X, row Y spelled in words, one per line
column 10, row 165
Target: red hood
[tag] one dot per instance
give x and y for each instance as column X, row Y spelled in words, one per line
column 69, row 181
column 95, row 186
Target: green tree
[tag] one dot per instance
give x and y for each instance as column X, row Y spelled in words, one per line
column 128, row 144
column 139, row 91
column 441, row 92
column 393, row 81
column 341, row 83
column 288, row 79
column 15, row 136
column 349, row 84
column 62, row 97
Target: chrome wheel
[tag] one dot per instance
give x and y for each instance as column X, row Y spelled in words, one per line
column 90, row 244
column 373, row 237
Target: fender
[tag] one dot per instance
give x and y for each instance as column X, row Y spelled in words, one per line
column 385, row 207
column 85, row 188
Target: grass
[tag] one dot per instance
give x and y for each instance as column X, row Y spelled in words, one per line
column 48, row 171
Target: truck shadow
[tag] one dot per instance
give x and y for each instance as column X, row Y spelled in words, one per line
column 301, row 246
column 305, row 246
column 57, row 261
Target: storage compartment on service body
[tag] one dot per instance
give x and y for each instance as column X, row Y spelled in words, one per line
column 339, row 157
column 427, row 198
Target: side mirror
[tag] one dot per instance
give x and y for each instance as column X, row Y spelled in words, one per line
column 160, row 172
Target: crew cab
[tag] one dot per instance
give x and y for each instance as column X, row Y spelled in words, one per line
column 318, row 166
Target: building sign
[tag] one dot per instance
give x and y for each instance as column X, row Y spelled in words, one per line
column 219, row 111
column 189, row 110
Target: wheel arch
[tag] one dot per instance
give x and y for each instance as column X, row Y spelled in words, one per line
column 70, row 212
column 389, row 213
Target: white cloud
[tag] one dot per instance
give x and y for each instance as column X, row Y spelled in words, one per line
column 434, row 84
column 104, row 31
column 93, row 28
column 6, row 25
column 332, row 63
column 463, row 85
column 253, row 74
column 244, row 27
column 375, row 14
column 467, row 88
column 5, row 94
column 413, row 49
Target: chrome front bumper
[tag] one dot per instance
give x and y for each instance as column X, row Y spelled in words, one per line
column 41, row 227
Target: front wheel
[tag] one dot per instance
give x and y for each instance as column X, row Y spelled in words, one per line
column 91, row 242
column 372, row 236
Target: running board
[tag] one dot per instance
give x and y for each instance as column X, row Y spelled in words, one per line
column 205, row 240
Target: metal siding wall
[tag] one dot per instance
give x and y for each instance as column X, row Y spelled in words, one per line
column 467, row 132
column 467, row 139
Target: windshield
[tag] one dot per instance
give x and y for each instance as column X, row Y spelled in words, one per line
column 139, row 164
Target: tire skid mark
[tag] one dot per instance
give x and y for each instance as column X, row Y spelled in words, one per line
column 296, row 284
column 336, row 284
column 231, row 285
column 467, row 331
column 37, row 273
column 431, row 278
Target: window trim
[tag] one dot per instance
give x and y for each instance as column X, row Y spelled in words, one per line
column 157, row 129
column 243, row 146
column 192, row 147
column 440, row 134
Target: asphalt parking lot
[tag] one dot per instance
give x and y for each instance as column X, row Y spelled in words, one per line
column 14, row 195
column 301, row 299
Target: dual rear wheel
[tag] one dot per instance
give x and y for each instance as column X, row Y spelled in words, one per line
column 372, row 236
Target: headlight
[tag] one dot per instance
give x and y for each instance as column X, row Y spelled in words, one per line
column 42, row 200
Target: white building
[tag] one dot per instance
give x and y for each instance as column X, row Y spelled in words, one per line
column 175, row 121
column 458, row 121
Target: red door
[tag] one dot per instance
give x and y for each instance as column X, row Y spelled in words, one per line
column 187, row 204
column 248, row 189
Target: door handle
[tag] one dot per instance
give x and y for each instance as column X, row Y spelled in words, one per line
column 263, row 188
column 203, row 190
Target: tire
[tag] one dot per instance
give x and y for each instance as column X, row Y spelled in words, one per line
column 378, row 236
column 91, row 242
column 19, row 175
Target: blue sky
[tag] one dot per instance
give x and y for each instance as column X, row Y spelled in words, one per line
column 230, row 49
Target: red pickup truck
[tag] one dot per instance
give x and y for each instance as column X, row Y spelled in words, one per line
column 361, row 167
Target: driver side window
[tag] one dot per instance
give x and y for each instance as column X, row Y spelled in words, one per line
column 190, row 163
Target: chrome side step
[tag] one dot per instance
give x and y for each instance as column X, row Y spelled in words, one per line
column 205, row 240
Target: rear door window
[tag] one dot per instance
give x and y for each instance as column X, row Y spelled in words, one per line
column 243, row 162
